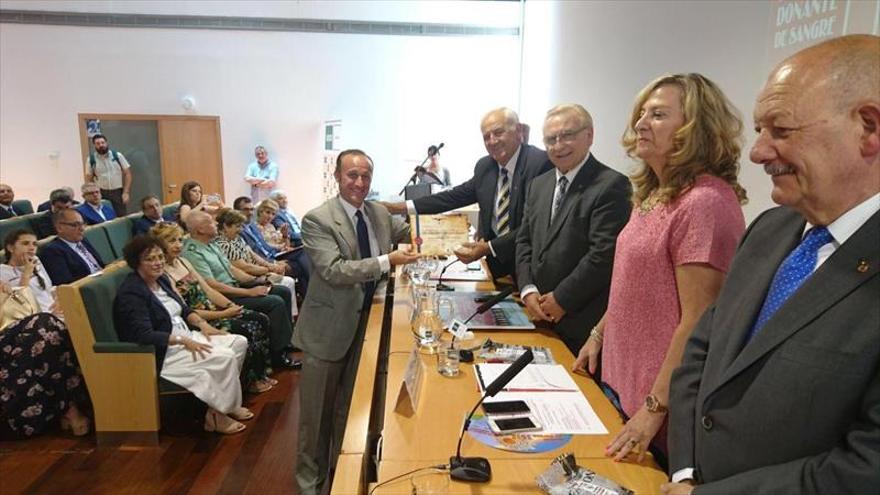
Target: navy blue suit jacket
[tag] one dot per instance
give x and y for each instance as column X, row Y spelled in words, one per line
column 91, row 217
column 4, row 213
column 139, row 316
column 64, row 264
column 143, row 225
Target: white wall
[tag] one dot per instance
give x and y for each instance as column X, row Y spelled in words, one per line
column 600, row 54
column 395, row 95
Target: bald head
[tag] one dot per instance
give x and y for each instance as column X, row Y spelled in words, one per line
column 818, row 124
column 201, row 226
column 848, row 68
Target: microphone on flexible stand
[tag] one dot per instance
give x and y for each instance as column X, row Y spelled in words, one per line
column 420, row 169
column 477, row 468
column 440, row 285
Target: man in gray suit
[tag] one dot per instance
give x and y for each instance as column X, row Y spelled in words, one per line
column 349, row 242
column 779, row 388
column 565, row 245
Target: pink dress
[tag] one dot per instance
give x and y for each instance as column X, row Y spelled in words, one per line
column 703, row 225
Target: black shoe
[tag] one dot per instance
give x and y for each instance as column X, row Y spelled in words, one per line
column 290, row 363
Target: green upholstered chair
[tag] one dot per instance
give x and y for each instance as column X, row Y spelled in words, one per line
column 14, row 223
column 24, row 206
column 97, row 236
column 169, row 212
column 119, row 233
column 120, row 376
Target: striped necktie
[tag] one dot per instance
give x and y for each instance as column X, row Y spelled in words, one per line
column 792, row 273
column 502, row 205
column 87, row 256
column 561, row 187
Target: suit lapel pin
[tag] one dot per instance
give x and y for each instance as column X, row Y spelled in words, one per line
column 863, row 266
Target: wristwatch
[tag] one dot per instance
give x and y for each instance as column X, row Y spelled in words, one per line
column 652, row 404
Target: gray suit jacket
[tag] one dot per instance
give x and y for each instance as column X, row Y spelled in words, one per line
column 331, row 310
column 797, row 409
column 573, row 255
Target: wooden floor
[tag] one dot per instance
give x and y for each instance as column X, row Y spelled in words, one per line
column 260, row 460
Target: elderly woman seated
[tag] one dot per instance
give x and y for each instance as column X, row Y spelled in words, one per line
column 147, row 310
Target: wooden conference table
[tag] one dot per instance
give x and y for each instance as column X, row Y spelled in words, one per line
column 429, row 436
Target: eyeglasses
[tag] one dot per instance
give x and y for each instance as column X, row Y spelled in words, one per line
column 75, row 225
column 563, row 137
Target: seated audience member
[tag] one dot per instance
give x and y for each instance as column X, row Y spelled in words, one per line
column 93, row 210
column 565, row 243
column 70, row 257
column 276, row 237
column 192, row 199
column 40, row 378
column 23, row 268
column 152, row 210
column 778, row 391
column 217, row 309
column 302, row 266
column 297, row 260
column 672, row 255
column 47, row 205
column 272, row 300
column 7, row 196
column 59, row 200
column 286, row 217
column 229, row 223
column 207, row 362
column 261, row 174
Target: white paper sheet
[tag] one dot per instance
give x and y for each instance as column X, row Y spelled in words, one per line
column 533, row 378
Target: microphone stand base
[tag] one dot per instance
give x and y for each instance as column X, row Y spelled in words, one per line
column 444, row 288
column 472, row 469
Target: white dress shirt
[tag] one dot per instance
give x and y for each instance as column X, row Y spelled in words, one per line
column 350, row 211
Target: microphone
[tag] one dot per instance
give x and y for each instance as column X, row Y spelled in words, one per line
column 432, row 150
column 440, row 285
column 477, row 468
column 497, row 298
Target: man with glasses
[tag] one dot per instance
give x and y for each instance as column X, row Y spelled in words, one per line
column 70, row 257
column 93, row 210
column 565, row 245
column 498, row 186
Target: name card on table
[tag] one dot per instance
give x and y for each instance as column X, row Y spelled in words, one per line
column 411, row 386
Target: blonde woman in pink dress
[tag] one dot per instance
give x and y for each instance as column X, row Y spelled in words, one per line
column 672, row 256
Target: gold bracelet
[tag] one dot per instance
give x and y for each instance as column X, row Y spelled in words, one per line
column 596, row 334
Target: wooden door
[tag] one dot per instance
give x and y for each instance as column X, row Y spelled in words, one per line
column 190, row 150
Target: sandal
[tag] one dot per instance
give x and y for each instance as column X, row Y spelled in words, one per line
column 214, row 421
column 259, row 386
column 79, row 426
column 241, row 414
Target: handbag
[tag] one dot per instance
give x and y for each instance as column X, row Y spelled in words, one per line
column 20, row 304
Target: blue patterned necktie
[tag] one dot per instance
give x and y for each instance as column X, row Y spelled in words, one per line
column 364, row 248
column 794, row 270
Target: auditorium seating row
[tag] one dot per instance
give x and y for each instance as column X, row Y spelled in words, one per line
column 121, row 377
column 108, row 238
